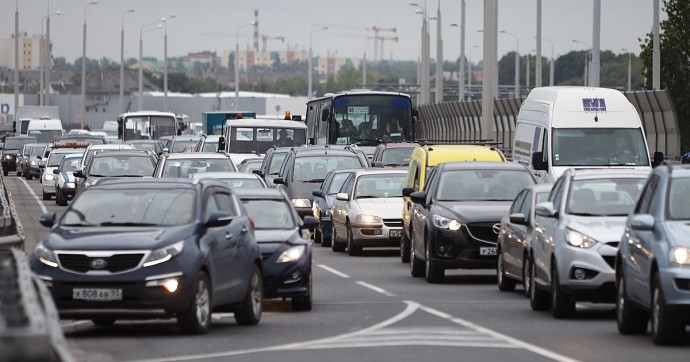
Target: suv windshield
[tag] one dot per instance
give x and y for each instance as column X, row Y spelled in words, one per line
column 482, row 185
column 186, row 167
column 270, row 213
column 604, row 197
column 124, row 165
column 309, row 168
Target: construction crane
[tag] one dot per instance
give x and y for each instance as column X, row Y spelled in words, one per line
column 382, row 39
column 265, row 37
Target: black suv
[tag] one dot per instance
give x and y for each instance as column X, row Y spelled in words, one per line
column 305, row 168
column 11, row 149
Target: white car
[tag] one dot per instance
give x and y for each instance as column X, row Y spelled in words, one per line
column 367, row 212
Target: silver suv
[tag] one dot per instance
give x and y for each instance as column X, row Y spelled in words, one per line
column 573, row 253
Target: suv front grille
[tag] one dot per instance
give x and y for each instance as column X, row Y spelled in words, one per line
column 483, row 232
column 81, row 263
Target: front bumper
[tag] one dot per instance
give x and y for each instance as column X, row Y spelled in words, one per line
column 287, row 280
column 9, row 164
column 33, row 171
column 376, row 235
column 462, row 249
column 67, row 193
column 597, row 263
column 675, row 284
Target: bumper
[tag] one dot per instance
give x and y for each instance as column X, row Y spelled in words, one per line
column 599, row 282
column 459, row 250
column 48, row 187
column 373, row 235
column 68, row 193
column 675, row 283
column 9, row 165
column 287, row 279
column 33, row 171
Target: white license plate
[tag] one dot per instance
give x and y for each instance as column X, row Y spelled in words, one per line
column 487, row 251
column 395, row 234
column 97, row 294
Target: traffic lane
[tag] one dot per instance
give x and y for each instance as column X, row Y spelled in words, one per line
column 473, row 295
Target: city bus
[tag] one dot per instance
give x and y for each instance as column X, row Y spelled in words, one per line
column 360, row 117
column 146, row 125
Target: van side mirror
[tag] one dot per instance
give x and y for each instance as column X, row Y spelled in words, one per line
column 538, row 162
column 221, row 144
column 658, row 159
column 325, row 113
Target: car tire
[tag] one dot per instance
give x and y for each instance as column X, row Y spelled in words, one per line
column 28, row 176
column 352, row 249
column 317, row 235
column 505, row 284
column 336, row 246
column 303, row 303
column 434, row 273
column 46, row 196
column 19, row 174
column 538, row 299
column 404, row 248
column 57, row 197
column 326, row 242
column 196, row 319
column 525, row 275
column 666, row 328
column 416, row 265
column 629, row 318
column 103, row 321
column 63, row 199
column 249, row 312
column 5, row 172
column 562, row 307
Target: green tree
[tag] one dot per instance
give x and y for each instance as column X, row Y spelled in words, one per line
column 674, row 45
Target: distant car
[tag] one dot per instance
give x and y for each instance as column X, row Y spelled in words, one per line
column 248, row 165
column 154, row 145
column 23, row 157
column 653, row 259
column 114, row 163
column 234, row 179
column 208, row 143
column 517, row 230
column 179, row 143
column 92, row 149
column 159, row 248
column 456, row 218
column 323, row 203
column 13, row 145
column 185, row 164
column 31, row 164
column 393, row 154
column 64, row 179
column 287, row 257
column 573, row 254
column 367, row 211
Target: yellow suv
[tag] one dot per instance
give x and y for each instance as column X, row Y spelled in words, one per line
column 426, row 157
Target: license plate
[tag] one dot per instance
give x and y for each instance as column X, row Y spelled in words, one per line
column 487, row 251
column 97, row 294
column 395, row 233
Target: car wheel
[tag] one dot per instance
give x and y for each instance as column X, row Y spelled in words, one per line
column 629, row 318
column 335, row 244
column 404, row 248
column 103, row 321
column 196, row 319
column 57, row 197
column 325, row 242
column 525, row 275
column 304, row 302
column 666, row 329
column 434, row 273
column 561, row 305
column 505, row 284
column 62, row 199
column 28, row 176
column 352, row 249
column 46, row 196
column 251, row 308
column 19, row 174
column 538, row 299
column 416, row 265
column 4, row 172
column 317, row 235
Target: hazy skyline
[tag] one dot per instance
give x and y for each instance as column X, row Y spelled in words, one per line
column 211, row 25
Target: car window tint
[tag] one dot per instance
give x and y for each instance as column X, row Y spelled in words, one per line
column 270, row 213
column 224, row 203
column 337, row 182
column 348, row 185
column 210, row 206
column 518, row 202
column 645, row 200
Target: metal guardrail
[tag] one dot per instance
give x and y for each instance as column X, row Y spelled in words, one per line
column 461, row 121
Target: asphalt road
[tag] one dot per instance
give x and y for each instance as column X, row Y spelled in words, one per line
column 366, row 308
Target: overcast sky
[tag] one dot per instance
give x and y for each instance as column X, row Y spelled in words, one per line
column 212, row 25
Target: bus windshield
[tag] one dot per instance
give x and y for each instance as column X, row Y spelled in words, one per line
column 372, row 118
column 599, row 147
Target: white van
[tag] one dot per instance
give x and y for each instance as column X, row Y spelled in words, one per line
column 45, row 129
column 583, row 127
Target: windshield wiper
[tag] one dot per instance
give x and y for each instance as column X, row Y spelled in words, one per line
column 584, row 214
column 110, row 223
column 395, row 164
column 127, row 175
column 94, row 175
column 79, row 224
column 367, row 197
column 313, row 180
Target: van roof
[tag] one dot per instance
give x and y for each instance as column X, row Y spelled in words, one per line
column 570, row 99
column 269, row 123
column 447, row 153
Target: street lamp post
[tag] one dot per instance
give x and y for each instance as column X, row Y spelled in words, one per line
column 424, row 81
column 517, row 63
column 144, row 29
column 586, row 59
column 311, row 70
column 237, row 64
column 551, row 65
column 470, row 74
column 165, row 62
column 46, row 90
column 629, row 68
column 83, row 69
column 122, row 63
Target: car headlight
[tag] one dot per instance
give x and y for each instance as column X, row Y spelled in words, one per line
column 48, row 177
column 680, row 255
column 8, row 157
column 368, row 219
column 164, row 254
column 32, row 163
column 69, row 185
column 46, row 256
column 579, row 240
column 292, row 254
column 446, row 223
column 301, row 202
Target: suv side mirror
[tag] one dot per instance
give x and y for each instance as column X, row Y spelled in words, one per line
column 518, row 218
column 279, row 181
column 406, row 191
column 79, row 173
column 218, row 218
column 56, row 171
column 418, row 197
column 221, row 144
column 258, row 172
column 538, row 162
column 377, row 164
column 317, row 193
column 546, row 209
column 47, row 219
column 310, row 223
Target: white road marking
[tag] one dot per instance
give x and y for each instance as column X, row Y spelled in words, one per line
column 376, row 289
column 40, row 203
column 73, row 324
column 329, row 269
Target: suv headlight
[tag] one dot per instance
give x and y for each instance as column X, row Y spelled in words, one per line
column 579, row 240
column 164, row 254
column 301, row 202
column 46, row 256
column 292, row 254
column 368, row 219
column 680, row 255
column 446, row 223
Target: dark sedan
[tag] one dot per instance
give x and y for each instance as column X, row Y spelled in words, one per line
column 133, row 248
column 286, row 254
column 456, row 220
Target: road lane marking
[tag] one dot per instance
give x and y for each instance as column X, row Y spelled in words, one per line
column 329, row 269
column 40, row 203
column 376, row 289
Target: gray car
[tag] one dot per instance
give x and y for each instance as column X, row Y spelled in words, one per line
column 579, row 229
column 652, row 274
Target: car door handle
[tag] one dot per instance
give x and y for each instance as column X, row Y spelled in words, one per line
column 228, row 235
column 244, row 229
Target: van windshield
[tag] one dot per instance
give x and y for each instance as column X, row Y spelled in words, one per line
column 599, row 147
column 45, row 136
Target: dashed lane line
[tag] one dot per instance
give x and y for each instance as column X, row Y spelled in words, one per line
column 333, row 271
